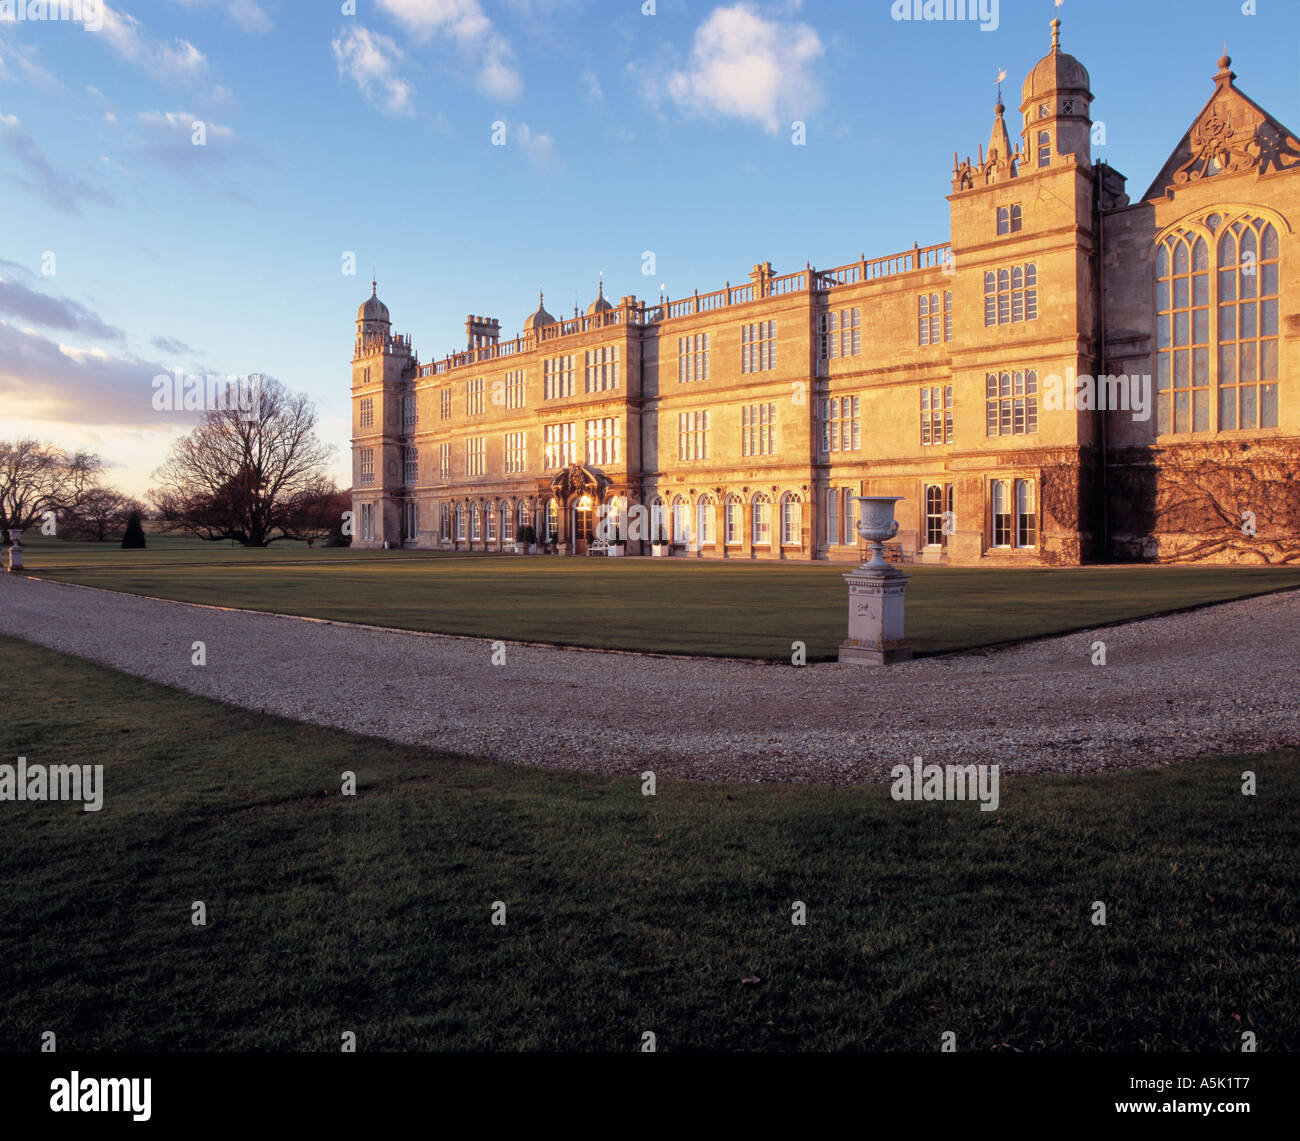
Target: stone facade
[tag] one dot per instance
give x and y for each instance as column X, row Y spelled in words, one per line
column 956, row 376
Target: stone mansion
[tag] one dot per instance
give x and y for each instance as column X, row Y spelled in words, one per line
column 958, row 376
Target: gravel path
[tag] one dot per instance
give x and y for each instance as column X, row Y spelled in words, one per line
column 1217, row 680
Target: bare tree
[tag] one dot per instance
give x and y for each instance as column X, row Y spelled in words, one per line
column 37, row 479
column 244, row 475
column 101, row 514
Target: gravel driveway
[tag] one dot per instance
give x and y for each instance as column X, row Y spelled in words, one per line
column 1217, row 680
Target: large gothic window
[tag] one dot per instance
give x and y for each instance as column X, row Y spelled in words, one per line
column 1183, row 335
column 1248, row 326
column 1235, row 334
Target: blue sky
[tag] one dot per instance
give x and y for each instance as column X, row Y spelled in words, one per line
column 371, row 133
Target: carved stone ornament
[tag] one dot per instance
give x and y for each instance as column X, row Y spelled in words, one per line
column 1218, row 148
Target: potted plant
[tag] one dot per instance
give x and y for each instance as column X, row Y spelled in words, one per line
column 526, row 540
column 617, row 548
column 660, row 547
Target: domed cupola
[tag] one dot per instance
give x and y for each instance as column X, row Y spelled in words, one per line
column 539, row 320
column 373, row 312
column 1056, row 104
column 600, row 305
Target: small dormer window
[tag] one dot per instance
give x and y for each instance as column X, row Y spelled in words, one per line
column 1044, row 148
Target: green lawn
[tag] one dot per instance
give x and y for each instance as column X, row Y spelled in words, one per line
column 664, row 605
column 624, row 913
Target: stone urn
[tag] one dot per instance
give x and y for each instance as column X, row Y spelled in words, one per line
column 876, row 524
column 15, row 551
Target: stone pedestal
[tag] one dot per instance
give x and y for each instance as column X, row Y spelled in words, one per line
column 15, row 559
column 875, row 618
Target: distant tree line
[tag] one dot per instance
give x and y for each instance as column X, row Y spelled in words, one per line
column 254, row 477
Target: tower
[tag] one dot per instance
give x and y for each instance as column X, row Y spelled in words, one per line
column 383, row 371
column 1024, row 308
column 1056, row 108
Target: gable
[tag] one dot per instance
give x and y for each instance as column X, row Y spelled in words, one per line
column 1232, row 134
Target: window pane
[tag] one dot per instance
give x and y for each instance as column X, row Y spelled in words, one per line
column 1227, row 322
column 1268, row 360
column 1228, row 364
column 1268, row 406
column 1268, row 318
column 1227, row 409
column 1249, row 364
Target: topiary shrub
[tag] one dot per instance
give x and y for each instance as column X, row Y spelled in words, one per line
column 133, row 540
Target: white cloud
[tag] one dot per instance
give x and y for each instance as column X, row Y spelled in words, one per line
column 126, row 35
column 42, row 379
column 745, row 65
column 471, row 31
column 16, row 60
column 166, row 139
column 537, row 146
column 179, row 125
column 372, row 61
column 57, row 187
column 591, row 86
column 248, row 14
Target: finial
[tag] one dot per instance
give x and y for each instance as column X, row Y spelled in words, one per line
column 1056, row 32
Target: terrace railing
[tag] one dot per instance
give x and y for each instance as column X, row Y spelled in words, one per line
column 642, row 314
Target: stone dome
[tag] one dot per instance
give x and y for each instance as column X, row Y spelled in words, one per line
column 1056, row 71
column 600, row 305
column 540, row 319
column 373, row 309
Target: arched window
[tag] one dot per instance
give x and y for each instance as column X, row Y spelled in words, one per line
column 552, row 520
column 1248, row 326
column 731, row 520
column 525, row 514
column 582, row 524
column 658, row 533
column 681, row 521
column 613, row 525
column 446, row 522
column 761, row 534
column 934, row 515
column 1183, row 335
column 1026, row 515
column 1044, row 148
column 492, row 517
column 475, row 524
column 706, row 529
column 832, row 516
column 850, row 518
column 460, row 522
column 791, row 520
column 1001, row 513
column 507, row 514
